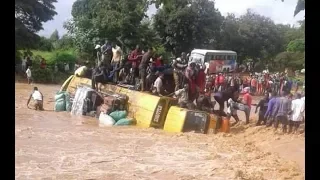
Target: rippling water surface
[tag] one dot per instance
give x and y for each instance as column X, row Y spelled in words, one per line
column 52, row 145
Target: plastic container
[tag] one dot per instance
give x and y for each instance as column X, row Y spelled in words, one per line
column 225, row 125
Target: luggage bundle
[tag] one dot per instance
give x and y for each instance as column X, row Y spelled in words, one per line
column 62, row 101
column 113, row 102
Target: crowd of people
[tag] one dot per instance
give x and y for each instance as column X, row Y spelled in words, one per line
column 196, row 90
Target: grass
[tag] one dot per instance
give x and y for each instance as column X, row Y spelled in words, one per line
column 52, row 57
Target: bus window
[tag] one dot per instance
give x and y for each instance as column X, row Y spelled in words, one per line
column 234, row 57
column 229, row 57
column 223, row 57
column 217, row 57
column 207, row 58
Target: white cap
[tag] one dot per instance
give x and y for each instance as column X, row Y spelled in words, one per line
column 97, row 46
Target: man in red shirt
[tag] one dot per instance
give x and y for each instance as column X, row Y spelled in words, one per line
column 247, row 101
column 220, row 82
column 158, row 62
column 201, row 78
column 135, row 58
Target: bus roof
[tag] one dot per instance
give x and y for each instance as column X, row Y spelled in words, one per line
column 205, row 51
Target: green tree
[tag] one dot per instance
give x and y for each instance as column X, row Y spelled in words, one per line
column 44, row 44
column 294, row 60
column 65, row 42
column 29, row 16
column 260, row 37
column 95, row 20
column 55, row 36
column 229, row 37
column 187, row 24
column 297, row 45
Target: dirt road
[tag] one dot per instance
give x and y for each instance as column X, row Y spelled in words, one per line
column 52, row 145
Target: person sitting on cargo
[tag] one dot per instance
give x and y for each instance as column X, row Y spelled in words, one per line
column 183, row 96
column 37, row 97
column 179, row 66
column 158, row 88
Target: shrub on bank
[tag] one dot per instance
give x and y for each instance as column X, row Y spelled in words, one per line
column 48, row 76
column 57, row 56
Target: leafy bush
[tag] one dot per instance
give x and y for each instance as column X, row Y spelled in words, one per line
column 42, row 75
column 58, row 56
column 48, row 76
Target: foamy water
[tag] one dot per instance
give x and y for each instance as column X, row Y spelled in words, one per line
column 52, row 145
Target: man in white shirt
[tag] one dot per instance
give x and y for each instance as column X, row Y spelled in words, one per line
column 37, row 97
column 183, row 96
column 115, row 62
column 297, row 107
column 29, row 75
column 158, row 86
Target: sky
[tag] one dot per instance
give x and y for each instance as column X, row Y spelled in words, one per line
column 278, row 11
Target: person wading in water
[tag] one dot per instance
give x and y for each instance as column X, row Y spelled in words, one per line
column 37, row 97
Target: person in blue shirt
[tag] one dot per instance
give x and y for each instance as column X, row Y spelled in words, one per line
column 282, row 109
column 269, row 115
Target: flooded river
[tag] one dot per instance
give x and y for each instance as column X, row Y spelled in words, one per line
column 51, row 145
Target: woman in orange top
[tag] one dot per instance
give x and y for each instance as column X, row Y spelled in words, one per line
column 253, row 85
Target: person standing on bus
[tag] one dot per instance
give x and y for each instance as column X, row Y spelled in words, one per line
column 106, row 54
column 143, row 68
column 135, row 58
column 190, row 74
column 179, row 66
column 201, row 78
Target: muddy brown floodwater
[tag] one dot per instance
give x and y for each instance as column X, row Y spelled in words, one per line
column 51, row 145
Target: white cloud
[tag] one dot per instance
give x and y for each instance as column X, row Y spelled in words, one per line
column 280, row 12
column 63, row 8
